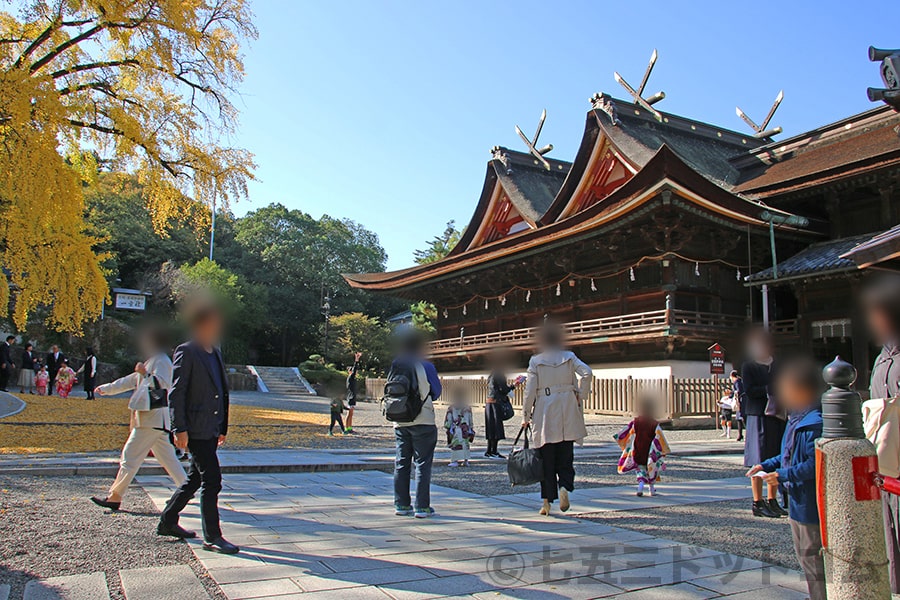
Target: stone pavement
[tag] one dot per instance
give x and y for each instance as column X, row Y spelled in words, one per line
column 296, row 460
column 10, row 405
column 308, row 536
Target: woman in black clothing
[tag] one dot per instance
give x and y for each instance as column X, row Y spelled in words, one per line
column 764, row 428
column 498, row 389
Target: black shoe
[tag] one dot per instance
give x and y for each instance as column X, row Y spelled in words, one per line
column 221, row 545
column 105, row 503
column 776, row 508
column 176, row 531
column 489, row 455
column 761, row 509
column 500, row 456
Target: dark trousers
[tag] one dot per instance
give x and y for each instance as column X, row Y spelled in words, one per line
column 206, row 476
column 5, row 377
column 559, row 469
column 415, row 445
column 808, row 546
column 336, row 418
column 89, row 383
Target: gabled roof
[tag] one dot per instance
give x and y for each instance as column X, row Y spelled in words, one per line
column 636, row 136
column 848, row 147
column 823, row 258
column 529, row 186
column 705, row 148
column 691, row 190
column 882, row 249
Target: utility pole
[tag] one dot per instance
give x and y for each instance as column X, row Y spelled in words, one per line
column 212, row 229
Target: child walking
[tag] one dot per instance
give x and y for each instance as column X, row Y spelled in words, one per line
column 727, row 405
column 798, row 386
column 42, row 380
column 460, row 430
column 643, row 447
column 337, row 408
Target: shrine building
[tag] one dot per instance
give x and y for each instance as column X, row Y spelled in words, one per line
column 657, row 241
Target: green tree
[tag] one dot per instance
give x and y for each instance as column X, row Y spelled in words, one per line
column 424, row 314
column 299, row 259
column 356, row 332
column 439, row 246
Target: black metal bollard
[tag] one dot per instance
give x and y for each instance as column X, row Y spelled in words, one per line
column 841, row 406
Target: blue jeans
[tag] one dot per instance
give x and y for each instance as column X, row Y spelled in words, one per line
column 415, row 445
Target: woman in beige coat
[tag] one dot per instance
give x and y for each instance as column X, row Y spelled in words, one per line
column 557, row 381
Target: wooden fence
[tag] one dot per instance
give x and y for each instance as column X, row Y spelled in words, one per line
column 682, row 396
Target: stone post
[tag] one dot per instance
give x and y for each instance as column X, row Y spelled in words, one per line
column 848, row 495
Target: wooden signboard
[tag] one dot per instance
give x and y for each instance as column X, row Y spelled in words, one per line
column 716, row 360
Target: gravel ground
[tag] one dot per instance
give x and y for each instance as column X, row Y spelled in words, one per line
column 725, row 526
column 48, row 527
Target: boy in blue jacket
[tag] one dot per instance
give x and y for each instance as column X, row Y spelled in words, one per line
column 798, row 389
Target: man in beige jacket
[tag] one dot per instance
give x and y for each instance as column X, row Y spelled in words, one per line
column 555, row 385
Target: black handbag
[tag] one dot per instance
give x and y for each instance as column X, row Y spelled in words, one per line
column 524, row 465
column 507, row 411
column 159, row 396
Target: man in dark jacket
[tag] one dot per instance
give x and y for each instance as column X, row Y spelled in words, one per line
column 198, row 406
column 6, row 363
column 55, row 360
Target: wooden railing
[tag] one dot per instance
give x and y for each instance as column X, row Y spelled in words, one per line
column 680, row 396
column 667, row 322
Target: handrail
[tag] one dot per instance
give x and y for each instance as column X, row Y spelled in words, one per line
column 645, row 322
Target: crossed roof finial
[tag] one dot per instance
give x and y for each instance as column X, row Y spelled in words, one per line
column 761, row 131
column 638, row 95
column 538, row 153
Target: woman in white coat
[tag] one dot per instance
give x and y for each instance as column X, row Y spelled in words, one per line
column 555, row 385
column 149, row 427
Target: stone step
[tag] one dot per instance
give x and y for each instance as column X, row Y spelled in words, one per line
column 177, row 582
column 91, row 586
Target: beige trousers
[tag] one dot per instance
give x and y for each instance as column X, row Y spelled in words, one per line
column 141, row 441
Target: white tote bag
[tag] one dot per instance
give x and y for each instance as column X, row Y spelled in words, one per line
column 881, row 421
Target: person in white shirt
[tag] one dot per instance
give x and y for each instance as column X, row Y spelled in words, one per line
column 150, row 427
column 727, row 405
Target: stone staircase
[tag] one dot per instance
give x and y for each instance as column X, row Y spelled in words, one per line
column 284, row 381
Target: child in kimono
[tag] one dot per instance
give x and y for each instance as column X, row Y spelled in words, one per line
column 65, row 379
column 460, row 429
column 643, row 448
column 42, row 380
column 337, row 409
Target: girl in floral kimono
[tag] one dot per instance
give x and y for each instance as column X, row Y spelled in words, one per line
column 42, row 380
column 460, row 430
column 65, row 379
column 643, row 448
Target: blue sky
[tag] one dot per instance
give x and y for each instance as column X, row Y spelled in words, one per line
column 384, row 112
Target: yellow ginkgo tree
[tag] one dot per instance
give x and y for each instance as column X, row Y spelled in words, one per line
column 142, row 85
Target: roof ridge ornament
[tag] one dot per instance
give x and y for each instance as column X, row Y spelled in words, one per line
column 637, row 95
column 532, row 143
column 499, row 153
column 890, row 75
column 761, row 131
column 604, row 102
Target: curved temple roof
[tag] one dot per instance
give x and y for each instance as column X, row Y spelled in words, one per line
column 524, row 206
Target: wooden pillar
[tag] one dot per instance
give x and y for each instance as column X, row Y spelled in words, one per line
column 832, row 205
column 887, row 211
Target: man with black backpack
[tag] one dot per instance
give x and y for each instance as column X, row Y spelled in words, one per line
column 409, row 394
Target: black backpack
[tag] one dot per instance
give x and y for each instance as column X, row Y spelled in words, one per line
column 402, row 402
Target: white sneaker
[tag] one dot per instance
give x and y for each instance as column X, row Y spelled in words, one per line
column 652, row 490
column 453, row 464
